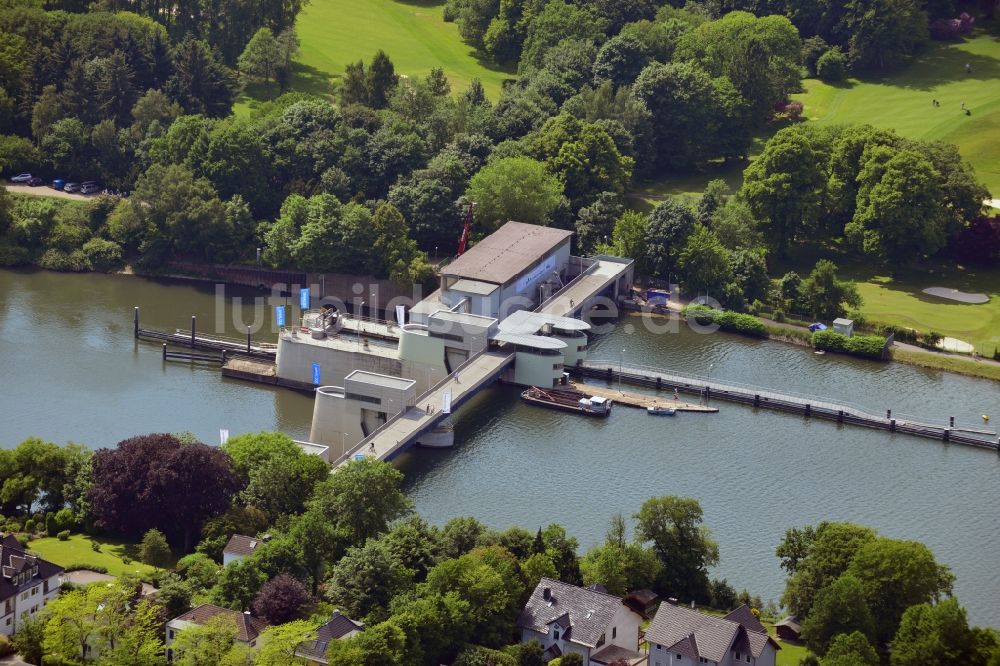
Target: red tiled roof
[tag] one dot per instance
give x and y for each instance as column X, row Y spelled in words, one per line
column 247, row 627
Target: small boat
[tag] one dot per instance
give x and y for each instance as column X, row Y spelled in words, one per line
column 568, row 401
column 661, row 411
column 442, row 437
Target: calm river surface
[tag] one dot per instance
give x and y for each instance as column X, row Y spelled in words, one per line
column 70, row 370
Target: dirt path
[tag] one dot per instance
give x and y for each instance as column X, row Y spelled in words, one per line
column 45, row 191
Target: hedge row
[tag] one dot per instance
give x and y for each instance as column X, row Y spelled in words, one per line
column 736, row 322
column 867, row 346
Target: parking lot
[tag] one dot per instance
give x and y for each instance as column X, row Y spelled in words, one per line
column 46, row 191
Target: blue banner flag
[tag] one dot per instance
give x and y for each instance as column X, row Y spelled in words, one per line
column 279, row 312
column 304, row 298
column 316, row 374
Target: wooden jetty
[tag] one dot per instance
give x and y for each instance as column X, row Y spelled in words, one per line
column 639, row 400
column 765, row 399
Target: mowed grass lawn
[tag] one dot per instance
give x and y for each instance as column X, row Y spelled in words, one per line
column 77, row 551
column 898, row 298
column 333, row 33
column 902, row 100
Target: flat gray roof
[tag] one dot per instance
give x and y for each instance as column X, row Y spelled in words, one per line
column 474, row 287
column 527, row 322
column 535, row 341
column 463, row 318
column 506, row 253
column 375, row 379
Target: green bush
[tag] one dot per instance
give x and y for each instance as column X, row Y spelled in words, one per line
column 6, row 648
column 87, row 567
column 58, row 260
column 832, row 65
column 475, row 655
column 63, row 536
column 867, row 346
column 728, row 320
column 104, row 255
column 29, row 526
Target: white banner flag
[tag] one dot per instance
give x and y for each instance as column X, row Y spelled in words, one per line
column 401, row 315
column 223, row 436
column 446, row 403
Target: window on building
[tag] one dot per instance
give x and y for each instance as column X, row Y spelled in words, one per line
column 737, row 656
column 170, row 634
column 748, row 659
column 555, row 634
column 614, row 632
column 680, row 657
column 253, row 643
column 25, row 595
column 34, row 590
column 8, row 622
column 45, row 587
column 702, row 660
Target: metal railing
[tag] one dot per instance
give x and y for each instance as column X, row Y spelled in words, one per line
column 749, row 389
column 569, row 285
column 419, row 399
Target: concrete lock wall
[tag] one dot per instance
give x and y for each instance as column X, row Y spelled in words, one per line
column 336, row 421
column 295, row 361
column 576, row 347
column 537, row 369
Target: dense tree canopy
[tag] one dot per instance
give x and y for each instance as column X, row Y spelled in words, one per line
column 158, row 481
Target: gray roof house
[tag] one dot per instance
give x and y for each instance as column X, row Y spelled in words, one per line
column 566, row 618
column 27, row 584
column 338, row 627
column 681, row 636
column 240, row 546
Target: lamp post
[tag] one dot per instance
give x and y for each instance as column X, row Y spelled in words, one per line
column 621, row 365
column 360, row 310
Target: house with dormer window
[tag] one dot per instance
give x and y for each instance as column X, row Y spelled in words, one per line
column 680, row 636
column 27, row 584
column 588, row 621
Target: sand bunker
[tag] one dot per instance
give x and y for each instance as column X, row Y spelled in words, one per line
column 956, row 295
column 955, row 345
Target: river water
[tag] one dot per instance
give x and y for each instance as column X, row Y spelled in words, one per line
column 71, row 371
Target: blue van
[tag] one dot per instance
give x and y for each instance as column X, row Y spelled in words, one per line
column 58, row 184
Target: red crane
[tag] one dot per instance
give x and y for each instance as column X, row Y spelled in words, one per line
column 464, row 240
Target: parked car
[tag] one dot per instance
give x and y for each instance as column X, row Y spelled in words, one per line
column 71, row 187
column 36, row 181
column 89, row 187
column 58, row 184
column 21, row 178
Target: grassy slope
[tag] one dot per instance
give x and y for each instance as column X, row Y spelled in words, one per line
column 902, row 101
column 334, row 33
column 898, row 299
column 76, row 550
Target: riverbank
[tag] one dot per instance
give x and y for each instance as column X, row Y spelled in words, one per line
column 981, row 368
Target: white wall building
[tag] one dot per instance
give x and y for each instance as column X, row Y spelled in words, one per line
column 27, row 584
column 681, row 636
column 565, row 618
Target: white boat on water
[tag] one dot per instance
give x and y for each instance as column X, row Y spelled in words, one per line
column 661, row 411
column 442, row 437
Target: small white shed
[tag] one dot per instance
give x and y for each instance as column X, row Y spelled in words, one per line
column 844, row 326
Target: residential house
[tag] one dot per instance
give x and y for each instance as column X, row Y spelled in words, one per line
column 248, row 628
column 339, row 627
column 680, row 636
column 241, row 546
column 27, row 584
column 565, row 618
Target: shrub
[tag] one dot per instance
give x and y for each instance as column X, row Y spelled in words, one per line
column 736, row 322
column 51, row 527
column 832, row 65
column 104, row 255
column 58, row 260
column 868, row 346
column 63, row 536
column 95, row 546
column 87, row 567
column 29, row 526
column 6, row 648
column 475, row 655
